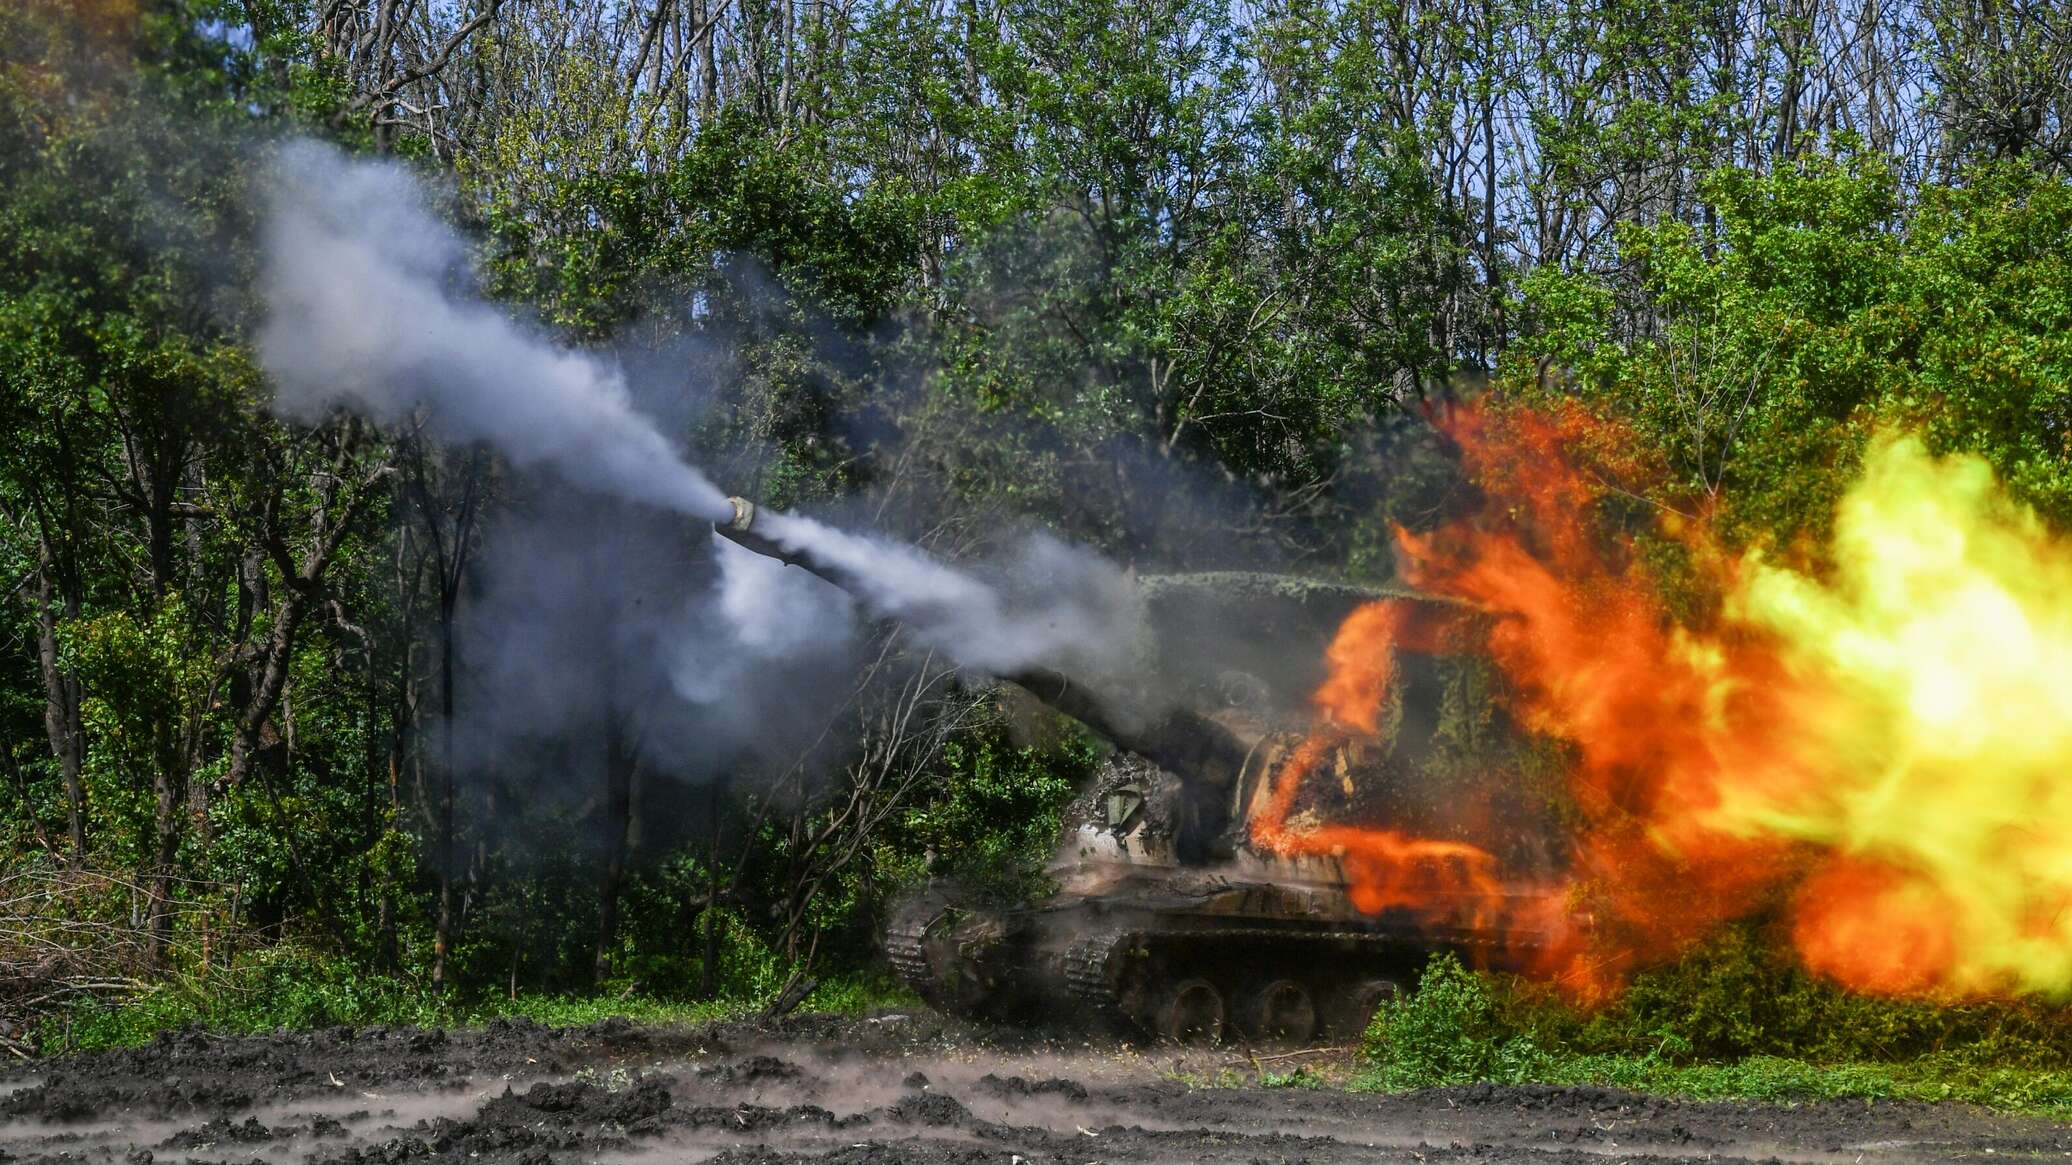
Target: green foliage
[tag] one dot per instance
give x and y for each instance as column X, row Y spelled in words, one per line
column 1821, row 305
column 1730, row 1020
column 1448, row 1031
column 992, row 824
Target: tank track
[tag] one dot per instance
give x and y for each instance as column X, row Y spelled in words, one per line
column 905, row 946
column 1102, row 974
column 1097, row 977
column 1094, row 975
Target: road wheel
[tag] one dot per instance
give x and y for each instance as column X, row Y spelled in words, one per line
column 1193, row 1013
column 1282, row 1013
column 1357, row 1005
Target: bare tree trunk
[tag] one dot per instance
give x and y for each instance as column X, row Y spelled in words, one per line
column 169, row 786
column 708, row 964
column 619, row 774
column 1792, row 88
column 787, row 63
column 402, row 745
column 708, row 65
column 442, row 935
column 449, row 549
column 1491, row 281
column 61, row 715
column 273, row 682
column 388, row 955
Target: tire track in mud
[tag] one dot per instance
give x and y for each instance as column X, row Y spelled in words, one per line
column 871, row 1091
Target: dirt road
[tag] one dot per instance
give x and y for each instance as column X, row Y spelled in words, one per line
column 859, row 1092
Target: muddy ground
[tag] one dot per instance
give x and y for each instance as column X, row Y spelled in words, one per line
column 886, row 1089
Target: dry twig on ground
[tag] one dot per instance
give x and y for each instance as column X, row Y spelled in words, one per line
column 69, row 935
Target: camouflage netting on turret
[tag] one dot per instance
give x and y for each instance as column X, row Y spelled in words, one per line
column 1252, row 586
column 1224, row 637
column 1447, row 764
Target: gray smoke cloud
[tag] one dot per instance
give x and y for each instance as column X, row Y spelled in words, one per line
column 371, row 308
column 1050, row 603
column 767, row 613
column 592, row 612
column 366, row 311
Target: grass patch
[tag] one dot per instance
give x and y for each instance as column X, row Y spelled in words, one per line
column 578, row 1010
column 836, row 995
column 2039, row 1091
column 1462, row 1027
column 1301, row 1078
column 283, row 988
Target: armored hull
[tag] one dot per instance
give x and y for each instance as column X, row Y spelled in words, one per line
column 1170, row 922
column 1256, row 947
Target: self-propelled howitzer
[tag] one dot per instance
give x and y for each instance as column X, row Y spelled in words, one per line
column 1210, row 756
column 1167, row 917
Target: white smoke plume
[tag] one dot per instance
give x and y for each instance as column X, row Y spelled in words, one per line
column 365, row 311
column 768, row 613
column 1055, row 604
column 370, row 308
column 589, row 612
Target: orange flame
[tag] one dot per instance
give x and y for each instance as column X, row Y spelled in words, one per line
column 1362, row 659
column 1794, row 750
column 1658, row 718
column 1436, row 882
column 1874, row 928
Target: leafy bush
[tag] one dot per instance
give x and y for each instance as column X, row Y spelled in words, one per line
column 992, row 821
column 1448, row 1031
column 288, row 987
column 284, row 986
column 1733, row 1019
column 1740, row 994
column 93, row 1024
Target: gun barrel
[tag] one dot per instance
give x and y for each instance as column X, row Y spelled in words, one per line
column 740, row 529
